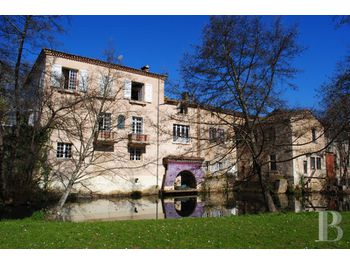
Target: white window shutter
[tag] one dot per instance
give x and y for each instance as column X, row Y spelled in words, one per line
column 148, row 92
column 56, row 75
column 111, row 90
column 127, row 89
column 83, row 80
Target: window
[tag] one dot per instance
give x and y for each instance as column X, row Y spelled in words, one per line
column 105, row 122
column 121, row 122
column 313, row 163
column 212, row 134
column 181, row 133
column 273, row 164
column 137, row 125
column 64, row 150
column 137, row 91
column 70, row 78
column 135, row 154
column 318, row 163
column 313, row 131
column 216, row 135
column 305, row 166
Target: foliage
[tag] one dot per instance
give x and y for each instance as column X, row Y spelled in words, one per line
column 283, row 230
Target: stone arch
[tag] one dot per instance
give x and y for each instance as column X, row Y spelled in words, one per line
column 185, row 180
column 189, row 168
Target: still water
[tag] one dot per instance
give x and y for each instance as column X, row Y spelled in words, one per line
column 213, row 205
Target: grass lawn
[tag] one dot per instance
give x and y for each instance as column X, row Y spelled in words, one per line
column 284, row 230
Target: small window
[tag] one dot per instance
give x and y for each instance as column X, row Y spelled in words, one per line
column 305, row 166
column 70, row 78
column 137, row 125
column 313, row 131
column 216, row 135
column 137, row 91
column 313, row 163
column 135, row 154
column 121, row 122
column 64, row 150
column 181, row 133
column 212, row 134
column 273, row 163
column 318, row 163
column 105, row 122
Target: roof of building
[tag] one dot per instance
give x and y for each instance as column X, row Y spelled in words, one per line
column 69, row 56
column 203, row 106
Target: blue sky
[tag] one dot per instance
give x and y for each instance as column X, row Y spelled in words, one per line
column 160, row 41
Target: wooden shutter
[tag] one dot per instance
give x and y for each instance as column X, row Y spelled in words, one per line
column 56, row 75
column 148, row 92
column 83, row 80
column 127, row 89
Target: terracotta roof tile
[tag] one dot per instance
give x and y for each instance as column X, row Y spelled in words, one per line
column 69, row 56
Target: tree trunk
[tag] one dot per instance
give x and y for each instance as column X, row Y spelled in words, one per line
column 269, row 204
column 65, row 195
column 15, row 143
column 2, row 175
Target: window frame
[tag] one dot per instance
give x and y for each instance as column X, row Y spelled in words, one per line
column 64, row 150
column 135, row 154
column 103, row 125
column 273, row 162
column 313, row 163
column 68, row 86
column 318, row 163
column 313, row 134
column 137, row 125
column 305, row 165
column 181, row 133
column 121, row 121
column 141, row 91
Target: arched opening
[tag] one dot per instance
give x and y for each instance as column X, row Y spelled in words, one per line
column 185, row 180
column 185, row 206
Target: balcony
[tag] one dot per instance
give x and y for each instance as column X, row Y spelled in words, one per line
column 138, row 139
column 105, row 137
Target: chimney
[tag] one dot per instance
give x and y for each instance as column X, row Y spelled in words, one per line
column 145, row 68
column 185, row 96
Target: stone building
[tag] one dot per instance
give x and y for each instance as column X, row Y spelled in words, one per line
column 123, row 134
column 119, row 133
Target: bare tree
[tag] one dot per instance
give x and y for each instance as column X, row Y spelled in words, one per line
column 239, row 66
column 335, row 96
column 20, row 37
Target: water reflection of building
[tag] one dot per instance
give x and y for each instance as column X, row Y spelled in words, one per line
column 188, row 206
column 113, row 209
column 213, row 205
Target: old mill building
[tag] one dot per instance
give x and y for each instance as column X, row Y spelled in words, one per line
column 118, row 133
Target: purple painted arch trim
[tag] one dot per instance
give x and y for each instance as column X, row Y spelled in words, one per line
column 175, row 167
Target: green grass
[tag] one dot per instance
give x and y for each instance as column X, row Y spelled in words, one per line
column 288, row 230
